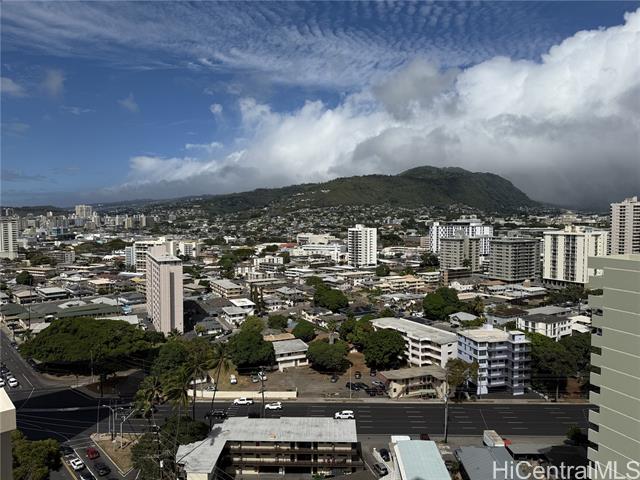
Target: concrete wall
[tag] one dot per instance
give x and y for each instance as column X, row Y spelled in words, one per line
column 256, row 396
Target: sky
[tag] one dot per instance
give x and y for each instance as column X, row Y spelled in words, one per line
column 111, row 101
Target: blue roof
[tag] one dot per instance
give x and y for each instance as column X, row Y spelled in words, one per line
column 420, row 460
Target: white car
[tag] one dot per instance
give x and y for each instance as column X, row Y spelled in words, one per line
column 344, row 414
column 243, row 401
column 13, row 383
column 233, row 380
column 273, row 406
column 1, row 383
column 76, row 464
column 262, row 376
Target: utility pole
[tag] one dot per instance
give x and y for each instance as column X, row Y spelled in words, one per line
column 261, row 376
column 122, row 420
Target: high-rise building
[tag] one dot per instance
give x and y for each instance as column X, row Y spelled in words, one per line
column 164, row 290
column 503, row 358
column 566, row 253
column 84, row 211
column 362, row 246
column 514, row 259
column 460, row 251
column 615, row 382
column 471, row 227
column 7, row 425
column 8, row 237
column 624, row 236
column 139, row 252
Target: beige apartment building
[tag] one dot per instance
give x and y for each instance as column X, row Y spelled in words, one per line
column 514, row 259
column 615, row 379
column 164, row 290
column 460, row 251
column 624, row 237
column 7, row 425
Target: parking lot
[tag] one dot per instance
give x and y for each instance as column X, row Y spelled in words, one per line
column 92, row 466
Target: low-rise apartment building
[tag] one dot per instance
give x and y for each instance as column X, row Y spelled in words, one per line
column 503, row 358
column 290, row 353
column 547, row 325
column 424, row 345
column 429, row 381
column 226, row 288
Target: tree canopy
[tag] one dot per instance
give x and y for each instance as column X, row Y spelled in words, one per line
column 24, row 278
column 33, row 460
column 249, row 350
column 384, row 349
column 382, row 270
column 328, row 357
column 277, row 322
column 459, row 372
column 551, row 363
column 305, row 331
column 440, row 304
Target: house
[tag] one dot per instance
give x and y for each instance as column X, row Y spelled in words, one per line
column 459, row 317
column 314, row 314
column 209, row 327
column 234, row 315
column 245, row 304
column 428, row 381
column 547, row 325
column 52, row 293
column 290, row 353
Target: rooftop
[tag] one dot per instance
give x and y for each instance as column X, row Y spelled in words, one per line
column 540, row 318
column 548, row 310
column 419, row 459
column 413, row 372
column 283, row 347
column 223, row 283
column 487, row 334
column 479, row 462
column 414, row 329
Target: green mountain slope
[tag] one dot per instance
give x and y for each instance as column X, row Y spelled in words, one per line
column 421, row 186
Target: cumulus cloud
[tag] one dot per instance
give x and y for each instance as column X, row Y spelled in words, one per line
column 565, row 129
column 215, row 108
column 206, row 147
column 53, row 82
column 11, row 88
column 129, row 103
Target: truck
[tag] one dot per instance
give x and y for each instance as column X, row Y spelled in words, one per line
column 491, row 439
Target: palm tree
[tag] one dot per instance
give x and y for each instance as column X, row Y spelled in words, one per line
column 221, row 361
column 177, row 388
column 149, row 394
column 200, row 362
column 332, row 326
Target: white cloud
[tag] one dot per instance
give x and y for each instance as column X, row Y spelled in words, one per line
column 215, row 108
column 53, row 82
column 207, row 147
column 76, row 110
column 11, row 88
column 129, row 103
column 565, row 129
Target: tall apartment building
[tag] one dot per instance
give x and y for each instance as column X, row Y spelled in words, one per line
column 424, row 345
column 362, row 246
column 615, row 382
column 136, row 254
column 624, row 237
column 503, row 358
column 164, row 290
column 514, row 259
column 460, row 251
column 566, row 253
column 7, row 425
column 9, row 237
column 471, row 227
column 315, row 238
column 84, row 211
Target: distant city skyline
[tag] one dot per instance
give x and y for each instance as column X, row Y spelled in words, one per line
column 106, row 102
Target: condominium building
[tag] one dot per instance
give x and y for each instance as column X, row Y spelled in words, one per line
column 471, row 227
column 503, row 358
column 615, row 381
column 514, row 259
column 624, row 236
column 362, row 246
column 84, row 211
column 548, row 325
column 136, row 255
column 164, row 290
column 226, row 288
column 460, row 251
column 566, row 253
column 315, row 238
column 302, row 446
column 9, row 237
column 424, row 345
column 7, row 425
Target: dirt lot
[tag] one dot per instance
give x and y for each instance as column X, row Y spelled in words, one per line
column 120, row 456
column 306, row 380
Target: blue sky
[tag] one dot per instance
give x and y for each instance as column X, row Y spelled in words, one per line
column 104, row 101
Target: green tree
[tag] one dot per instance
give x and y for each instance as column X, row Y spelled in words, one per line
column 24, row 278
column 347, row 328
column 221, row 362
column 551, row 363
column 271, row 248
column 384, row 349
column 305, row 331
column 475, row 307
column 329, row 298
column 386, row 312
column 327, row 357
column 33, row 460
column 277, row 322
column 382, row 270
column 149, row 395
column 199, row 363
column 253, row 324
column 171, row 355
column 459, row 373
column 177, row 388
column 440, row 304
column 361, row 331
column 429, row 260
column 249, row 350
column 579, row 348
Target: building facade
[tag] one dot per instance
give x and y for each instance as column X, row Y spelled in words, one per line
column 615, row 382
column 566, row 253
column 424, row 345
column 471, row 227
column 550, row 326
column 164, row 290
column 624, row 235
column 7, row 425
column 460, row 251
column 514, row 259
column 9, row 237
column 136, row 255
column 362, row 246
column 84, row 211
column 503, row 358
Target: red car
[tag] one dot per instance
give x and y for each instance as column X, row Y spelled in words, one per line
column 92, row 453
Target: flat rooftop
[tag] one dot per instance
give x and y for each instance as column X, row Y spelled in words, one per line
column 282, row 347
column 414, row 329
column 420, row 459
column 202, row 456
column 435, row 371
column 487, row 334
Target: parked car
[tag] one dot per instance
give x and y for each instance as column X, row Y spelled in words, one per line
column 362, row 386
column 334, row 378
column 92, row 453
column 66, row 450
column 273, row 406
column 243, row 401
column 76, row 464
column 1, row 383
column 87, row 476
column 219, row 414
column 233, row 380
column 13, row 383
column 373, row 372
column 102, row 469
column 358, row 375
column 262, row 376
column 255, row 378
column 210, row 388
column 384, row 453
column 352, row 386
column 378, row 383
column 424, row 436
column 380, row 469
column 344, row 414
